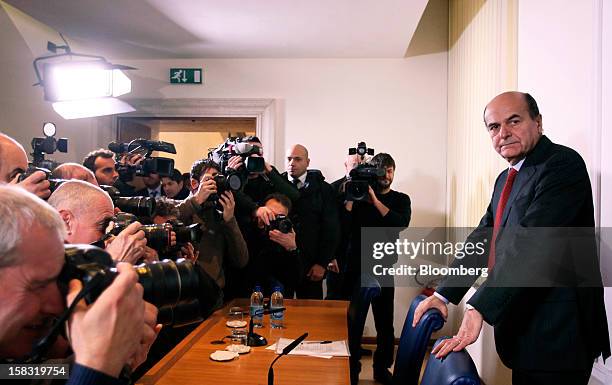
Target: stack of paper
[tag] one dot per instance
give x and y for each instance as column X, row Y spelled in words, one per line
column 313, row 348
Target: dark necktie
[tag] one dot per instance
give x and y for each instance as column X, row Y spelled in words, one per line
column 296, row 183
column 501, row 205
column 153, row 194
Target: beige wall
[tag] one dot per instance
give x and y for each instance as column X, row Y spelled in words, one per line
column 567, row 70
column 481, row 63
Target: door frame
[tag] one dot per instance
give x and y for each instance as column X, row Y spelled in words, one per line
column 263, row 110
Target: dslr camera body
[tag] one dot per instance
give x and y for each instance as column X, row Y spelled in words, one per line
column 53, row 183
column 281, row 223
column 159, row 165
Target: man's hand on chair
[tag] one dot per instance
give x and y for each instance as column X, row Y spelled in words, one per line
column 468, row 333
column 431, row 302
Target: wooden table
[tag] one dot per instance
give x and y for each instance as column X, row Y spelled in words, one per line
column 189, row 362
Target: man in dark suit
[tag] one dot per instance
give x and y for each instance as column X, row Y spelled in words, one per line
column 549, row 334
column 153, row 187
column 316, row 221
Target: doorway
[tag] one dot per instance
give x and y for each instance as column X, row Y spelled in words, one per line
column 192, row 137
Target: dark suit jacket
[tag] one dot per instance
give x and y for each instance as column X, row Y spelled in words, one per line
column 559, row 327
column 145, row 193
column 315, row 218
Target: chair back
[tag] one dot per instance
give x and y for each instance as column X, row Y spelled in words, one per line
column 457, row 368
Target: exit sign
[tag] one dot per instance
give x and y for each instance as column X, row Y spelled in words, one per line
column 186, row 75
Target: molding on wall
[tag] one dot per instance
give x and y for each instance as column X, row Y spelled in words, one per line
column 263, row 110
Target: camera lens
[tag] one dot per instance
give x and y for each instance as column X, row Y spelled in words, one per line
column 158, row 236
column 184, row 234
column 139, row 206
column 168, row 283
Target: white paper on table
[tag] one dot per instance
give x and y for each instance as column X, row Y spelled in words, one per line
column 333, row 349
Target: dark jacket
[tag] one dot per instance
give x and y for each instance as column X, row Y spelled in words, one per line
column 316, row 220
column 265, row 184
column 541, row 328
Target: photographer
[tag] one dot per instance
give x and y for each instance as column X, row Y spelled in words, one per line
column 316, row 220
column 74, row 171
column 87, row 211
column 383, row 208
column 275, row 259
column 222, row 242
column 174, row 186
column 166, row 211
column 102, row 163
column 13, row 162
column 117, row 329
column 259, row 186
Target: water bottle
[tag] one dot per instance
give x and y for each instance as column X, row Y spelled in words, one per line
column 257, row 306
column 276, row 302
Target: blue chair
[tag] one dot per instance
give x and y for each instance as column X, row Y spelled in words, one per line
column 413, row 344
column 368, row 289
column 457, row 368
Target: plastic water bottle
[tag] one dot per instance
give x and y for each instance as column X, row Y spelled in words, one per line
column 257, row 306
column 276, row 302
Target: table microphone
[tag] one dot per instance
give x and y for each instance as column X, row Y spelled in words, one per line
column 286, row 351
column 254, row 339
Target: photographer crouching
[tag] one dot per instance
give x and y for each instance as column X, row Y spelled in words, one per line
column 115, row 330
column 274, row 257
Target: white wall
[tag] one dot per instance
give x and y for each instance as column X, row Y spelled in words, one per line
column 564, row 62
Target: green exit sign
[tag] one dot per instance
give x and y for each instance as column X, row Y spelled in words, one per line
column 186, row 75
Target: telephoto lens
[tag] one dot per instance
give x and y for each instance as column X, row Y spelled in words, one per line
column 139, row 206
column 181, row 291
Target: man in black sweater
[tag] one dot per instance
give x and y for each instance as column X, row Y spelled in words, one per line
column 316, row 221
column 274, row 258
column 385, row 208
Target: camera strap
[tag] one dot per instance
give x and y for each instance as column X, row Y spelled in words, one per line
column 42, row 346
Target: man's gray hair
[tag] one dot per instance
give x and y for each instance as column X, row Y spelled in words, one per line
column 76, row 195
column 20, row 210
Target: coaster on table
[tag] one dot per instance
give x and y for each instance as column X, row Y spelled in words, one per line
column 240, row 349
column 223, row 355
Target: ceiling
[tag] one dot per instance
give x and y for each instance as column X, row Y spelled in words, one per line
column 161, row 29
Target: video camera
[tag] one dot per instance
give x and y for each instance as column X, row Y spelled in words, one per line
column 47, row 145
column 360, row 178
column 236, row 179
column 178, row 289
column 159, row 165
column 139, row 206
column 364, row 175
